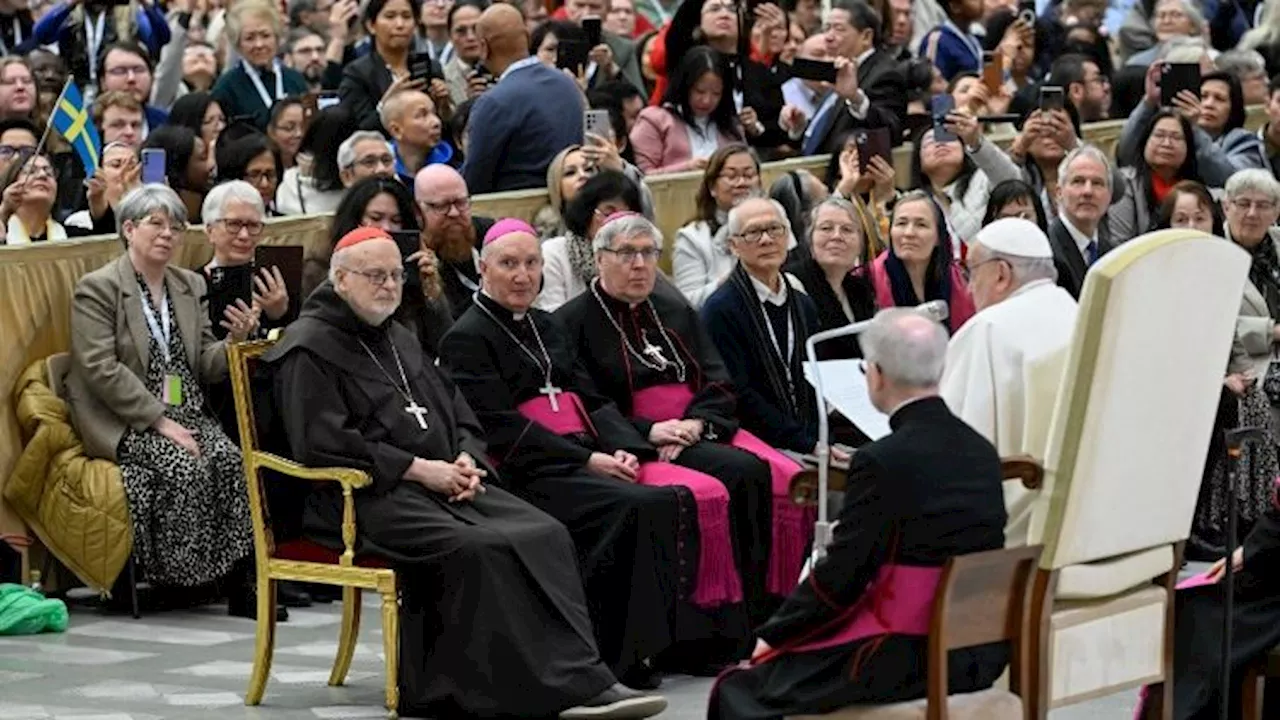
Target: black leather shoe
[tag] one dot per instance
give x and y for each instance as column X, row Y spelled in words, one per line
column 641, row 677
column 618, row 702
column 291, row 594
column 245, row 605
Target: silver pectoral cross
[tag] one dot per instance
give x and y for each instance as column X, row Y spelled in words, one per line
column 655, row 353
column 418, row 412
column 551, row 391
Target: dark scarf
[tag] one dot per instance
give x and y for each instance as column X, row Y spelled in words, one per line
column 796, row 396
column 937, row 281
column 1264, row 273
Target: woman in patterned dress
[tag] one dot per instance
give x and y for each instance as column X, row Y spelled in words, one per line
column 141, row 347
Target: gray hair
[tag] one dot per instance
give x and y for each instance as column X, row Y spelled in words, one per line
column 1024, row 269
column 838, row 203
column 736, row 221
column 237, row 12
column 1254, row 180
column 1241, row 63
column 1185, row 49
column 625, row 228
column 1191, row 9
column 143, row 201
column 906, row 356
column 347, row 150
column 1085, row 150
column 215, row 203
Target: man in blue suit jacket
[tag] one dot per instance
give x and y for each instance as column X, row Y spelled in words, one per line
column 519, row 125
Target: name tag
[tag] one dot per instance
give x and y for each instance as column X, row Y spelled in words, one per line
column 171, row 392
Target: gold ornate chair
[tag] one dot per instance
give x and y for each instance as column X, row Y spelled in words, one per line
column 982, row 598
column 303, row 560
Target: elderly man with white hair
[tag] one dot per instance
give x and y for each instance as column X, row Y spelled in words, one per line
column 1004, row 365
column 365, row 154
column 927, row 492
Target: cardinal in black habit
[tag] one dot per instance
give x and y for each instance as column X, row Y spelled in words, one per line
column 636, row 526
column 493, row 619
column 639, row 339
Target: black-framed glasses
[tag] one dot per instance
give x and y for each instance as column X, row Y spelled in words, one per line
column 629, row 254
column 777, row 231
column 235, row 227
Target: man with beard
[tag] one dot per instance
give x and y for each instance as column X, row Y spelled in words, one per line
column 645, row 349
column 1088, row 89
column 305, row 53
column 493, row 621
column 451, row 232
column 648, row 534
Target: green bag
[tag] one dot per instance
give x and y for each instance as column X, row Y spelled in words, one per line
column 24, row 611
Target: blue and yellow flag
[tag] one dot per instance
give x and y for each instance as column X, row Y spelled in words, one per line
column 72, row 120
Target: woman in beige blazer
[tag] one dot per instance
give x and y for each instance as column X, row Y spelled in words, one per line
column 141, row 347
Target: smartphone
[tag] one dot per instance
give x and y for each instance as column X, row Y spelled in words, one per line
column 816, row 70
column 153, row 162
column 1052, row 98
column 420, row 66
column 992, row 71
column 873, row 142
column 288, row 260
column 939, row 107
column 572, row 55
column 597, row 122
column 226, row 286
column 594, row 28
column 1176, row 77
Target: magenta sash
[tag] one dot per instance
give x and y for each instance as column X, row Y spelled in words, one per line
column 571, row 418
column 717, row 582
column 792, row 523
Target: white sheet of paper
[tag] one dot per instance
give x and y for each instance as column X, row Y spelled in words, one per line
column 845, row 387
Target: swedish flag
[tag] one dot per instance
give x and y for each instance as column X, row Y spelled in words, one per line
column 72, row 121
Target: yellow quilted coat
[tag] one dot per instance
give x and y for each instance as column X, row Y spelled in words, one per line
column 75, row 505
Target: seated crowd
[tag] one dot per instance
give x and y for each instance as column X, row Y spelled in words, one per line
column 584, row 456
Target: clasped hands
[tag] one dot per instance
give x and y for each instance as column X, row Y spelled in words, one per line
column 460, row 479
column 672, row 436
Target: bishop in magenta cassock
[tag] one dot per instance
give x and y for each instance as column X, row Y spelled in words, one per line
column 651, row 537
column 647, row 351
column 493, row 619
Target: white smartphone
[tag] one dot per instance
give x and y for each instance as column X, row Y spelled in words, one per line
column 597, row 122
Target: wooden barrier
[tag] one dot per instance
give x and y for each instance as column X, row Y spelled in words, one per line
column 37, row 281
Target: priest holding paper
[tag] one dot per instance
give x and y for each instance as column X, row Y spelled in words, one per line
column 1005, row 365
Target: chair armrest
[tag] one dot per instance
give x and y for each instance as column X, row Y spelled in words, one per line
column 1023, row 468
column 348, row 477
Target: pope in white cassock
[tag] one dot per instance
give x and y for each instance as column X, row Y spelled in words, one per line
column 1005, row 365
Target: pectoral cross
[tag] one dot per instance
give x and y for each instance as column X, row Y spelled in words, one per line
column 551, row 391
column 654, row 352
column 418, row 412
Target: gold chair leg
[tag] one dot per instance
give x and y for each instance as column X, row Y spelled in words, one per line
column 347, row 638
column 391, row 648
column 265, row 642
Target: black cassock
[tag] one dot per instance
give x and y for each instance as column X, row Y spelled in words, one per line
column 666, row 321
column 928, row 491
column 493, row 619
column 637, row 544
column 1197, row 660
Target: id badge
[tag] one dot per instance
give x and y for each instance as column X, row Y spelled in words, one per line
column 172, row 392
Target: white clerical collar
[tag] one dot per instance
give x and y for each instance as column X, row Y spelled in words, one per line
column 863, row 57
column 514, row 315
column 519, row 65
column 1082, row 241
column 768, row 296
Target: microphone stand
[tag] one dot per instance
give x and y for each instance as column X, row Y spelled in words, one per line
column 1235, row 441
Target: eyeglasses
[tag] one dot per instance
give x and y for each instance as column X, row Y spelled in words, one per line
column 630, row 254
column 714, row 7
column 829, row 228
column 1244, row 205
column 1173, row 138
column 235, row 227
column 8, row 151
column 266, row 177
column 380, row 277
column 373, row 162
column 442, row 208
column 777, row 231
column 127, row 70
column 160, row 224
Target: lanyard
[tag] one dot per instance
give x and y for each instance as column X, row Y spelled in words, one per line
column 252, row 72
column 93, row 38
column 791, row 344
column 161, row 331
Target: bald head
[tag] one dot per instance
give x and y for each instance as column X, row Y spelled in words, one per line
column 503, row 36
column 434, row 182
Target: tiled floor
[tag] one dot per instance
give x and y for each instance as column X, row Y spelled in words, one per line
column 193, row 665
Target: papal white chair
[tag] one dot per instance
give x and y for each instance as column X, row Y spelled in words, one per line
column 1127, row 443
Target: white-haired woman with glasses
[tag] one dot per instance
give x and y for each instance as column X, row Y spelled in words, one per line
column 141, row 349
